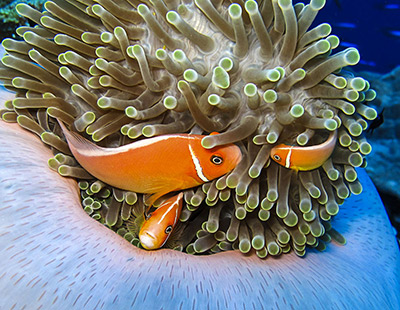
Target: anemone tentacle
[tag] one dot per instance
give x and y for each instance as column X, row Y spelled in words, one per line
column 254, row 71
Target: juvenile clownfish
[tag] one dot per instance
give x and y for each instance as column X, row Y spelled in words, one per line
column 157, row 165
column 159, row 225
column 304, row 158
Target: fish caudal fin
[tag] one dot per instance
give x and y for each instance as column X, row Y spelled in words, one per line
column 77, row 142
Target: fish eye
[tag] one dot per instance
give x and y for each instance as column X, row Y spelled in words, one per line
column 217, row 160
column 277, row 157
column 168, row 229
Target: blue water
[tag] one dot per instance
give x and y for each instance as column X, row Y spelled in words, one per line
column 372, row 26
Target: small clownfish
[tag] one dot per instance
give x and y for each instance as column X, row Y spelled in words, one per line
column 159, row 225
column 304, row 158
column 157, row 165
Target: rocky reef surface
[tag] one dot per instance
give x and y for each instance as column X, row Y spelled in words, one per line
column 384, row 161
column 9, row 17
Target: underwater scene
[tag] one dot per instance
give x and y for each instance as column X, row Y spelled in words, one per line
column 199, row 154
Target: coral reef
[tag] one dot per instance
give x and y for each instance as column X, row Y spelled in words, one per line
column 8, row 13
column 119, row 71
column 53, row 256
column 385, row 155
column 9, row 17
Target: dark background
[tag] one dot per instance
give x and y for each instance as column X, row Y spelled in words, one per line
column 372, row 26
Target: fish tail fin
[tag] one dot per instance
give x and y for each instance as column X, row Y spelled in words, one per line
column 76, row 141
column 63, row 128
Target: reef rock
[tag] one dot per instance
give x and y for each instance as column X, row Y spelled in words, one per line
column 383, row 163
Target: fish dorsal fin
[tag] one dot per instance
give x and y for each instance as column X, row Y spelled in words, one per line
column 329, row 143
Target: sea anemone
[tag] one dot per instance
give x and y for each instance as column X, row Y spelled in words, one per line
column 120, row 71
column 54, row 256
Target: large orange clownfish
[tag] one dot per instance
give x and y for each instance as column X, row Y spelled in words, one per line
column 157, row 165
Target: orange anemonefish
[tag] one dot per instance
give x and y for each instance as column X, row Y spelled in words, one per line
column 304, row 158
column 158, row 226
column 157, row 165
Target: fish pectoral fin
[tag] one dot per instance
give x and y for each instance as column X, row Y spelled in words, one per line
column 153, row 198
column 162, row 187
column 160, row 192
column 134, row 225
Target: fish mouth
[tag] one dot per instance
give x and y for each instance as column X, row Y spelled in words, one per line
column 148, row 240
